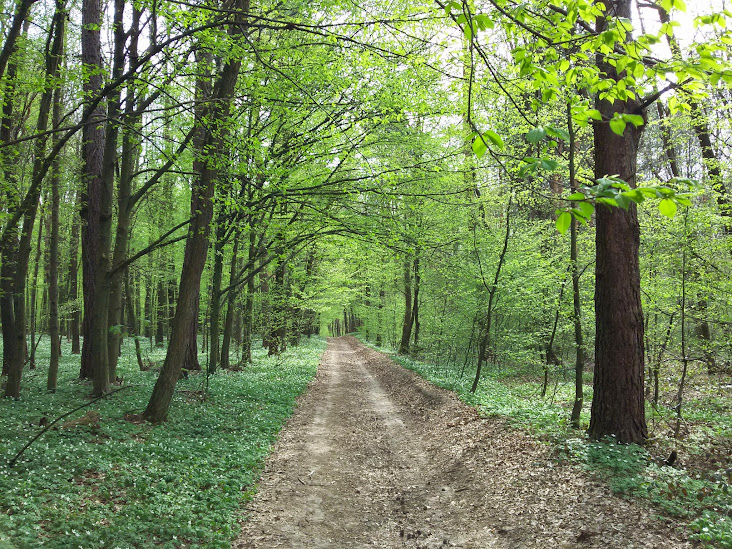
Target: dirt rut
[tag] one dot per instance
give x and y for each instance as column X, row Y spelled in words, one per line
column 376, row 457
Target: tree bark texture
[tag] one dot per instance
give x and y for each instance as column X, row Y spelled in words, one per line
column 618, row 407
column 92, row 154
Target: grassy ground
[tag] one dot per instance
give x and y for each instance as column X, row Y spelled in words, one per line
column 126, row 484
column 697, row 491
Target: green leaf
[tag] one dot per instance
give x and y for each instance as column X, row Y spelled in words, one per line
column 535, row 135
column 635, row 119
column 494, row 138
column 576, row 196
column 563, row 221
column 557, row 133
column 623, row 201
column 530, row 167
column 607, row 201
column 667, row 207
column 548, row 164
column 578, row 216
column 587, row 209
column 617, row 125
column 479, row 147
column 636, row 195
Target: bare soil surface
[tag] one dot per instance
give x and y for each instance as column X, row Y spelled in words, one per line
column 374, row 456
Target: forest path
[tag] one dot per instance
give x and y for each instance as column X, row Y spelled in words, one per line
column 374, row 456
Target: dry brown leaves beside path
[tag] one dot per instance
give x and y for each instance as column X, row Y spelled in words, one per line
column 374, row 456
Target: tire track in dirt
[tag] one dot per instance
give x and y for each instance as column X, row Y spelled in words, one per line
column 376, row 457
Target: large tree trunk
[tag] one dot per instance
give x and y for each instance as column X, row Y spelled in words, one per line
column 12, row 356
column 618, row 407
column 92, row 154
column 197, row 243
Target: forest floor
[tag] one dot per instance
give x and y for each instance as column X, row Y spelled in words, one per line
column 374, row 456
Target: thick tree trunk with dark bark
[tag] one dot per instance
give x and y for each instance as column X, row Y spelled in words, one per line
column 618, row 407
column 92, row 154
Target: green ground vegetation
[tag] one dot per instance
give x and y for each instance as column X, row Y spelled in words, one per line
column 121, row 483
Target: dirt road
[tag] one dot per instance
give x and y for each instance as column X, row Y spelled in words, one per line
column 376, row 457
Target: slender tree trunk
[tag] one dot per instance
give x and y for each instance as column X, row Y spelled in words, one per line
column 407, row 322
column 215, row 300
column 713, row 168
column 576, row 295
column 415, row 301
column 147, row 306
column 15, row 249
column 230, row 308
column 132, row 321
column 73, row 275
column 278, row 329
column 618, row 407
column 53, row 320
column 551, row 357
column 125, row 203
column 379, row 309
column 161, row 296
column 485, row 342
column 34, row 292
column 247, row 313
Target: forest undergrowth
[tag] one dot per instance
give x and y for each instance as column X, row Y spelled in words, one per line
column 696, row 489
column 99, row 478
